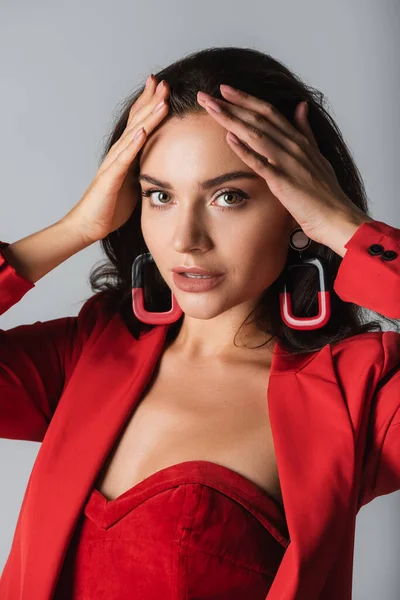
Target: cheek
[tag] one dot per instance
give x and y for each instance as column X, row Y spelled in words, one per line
column 261, row 256
column 152, row 232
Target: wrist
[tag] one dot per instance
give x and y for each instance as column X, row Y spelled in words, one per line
column 341, row 230
column 75, row 231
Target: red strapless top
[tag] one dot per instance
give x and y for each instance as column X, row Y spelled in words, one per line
column 195, row 529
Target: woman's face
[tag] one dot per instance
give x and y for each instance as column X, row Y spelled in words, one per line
column 245, row 238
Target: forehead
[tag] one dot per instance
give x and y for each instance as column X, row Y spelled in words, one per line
column 194, row 143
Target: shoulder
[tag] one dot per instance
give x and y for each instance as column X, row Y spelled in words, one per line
column 94, row 316
column 368, row 344
column 372, row 353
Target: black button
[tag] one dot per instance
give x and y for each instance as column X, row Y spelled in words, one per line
column 376, row 249
column 389, row 255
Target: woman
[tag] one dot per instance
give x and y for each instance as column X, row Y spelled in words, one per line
column 242, row 468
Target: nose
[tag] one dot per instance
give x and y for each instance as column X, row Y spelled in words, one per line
column 190, row 233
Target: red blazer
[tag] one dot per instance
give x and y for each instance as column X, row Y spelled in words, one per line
column 71, row 383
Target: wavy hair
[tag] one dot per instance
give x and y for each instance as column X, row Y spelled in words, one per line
column 265, row 77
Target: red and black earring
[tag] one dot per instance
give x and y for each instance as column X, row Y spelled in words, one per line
column 300, row 241
column 153, row 318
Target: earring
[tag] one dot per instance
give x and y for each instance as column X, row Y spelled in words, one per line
column 153, row 318
column 299, row 241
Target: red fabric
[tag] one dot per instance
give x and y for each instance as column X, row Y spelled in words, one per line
column 192, row 530
column 72, row 383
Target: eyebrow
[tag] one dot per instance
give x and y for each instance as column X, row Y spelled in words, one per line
column 205, row 185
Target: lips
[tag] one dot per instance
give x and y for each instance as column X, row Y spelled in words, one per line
column 195, row 271
column 195, row 284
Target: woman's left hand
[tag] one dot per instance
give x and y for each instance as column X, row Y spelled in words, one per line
column 288, row 159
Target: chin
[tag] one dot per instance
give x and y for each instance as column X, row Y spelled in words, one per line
column 204, row 306
column 203, row 313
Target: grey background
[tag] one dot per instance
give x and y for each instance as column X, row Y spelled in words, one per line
column 64, row 69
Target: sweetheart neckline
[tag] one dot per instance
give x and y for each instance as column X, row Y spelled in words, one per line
column 241, row 490
column 208, row 465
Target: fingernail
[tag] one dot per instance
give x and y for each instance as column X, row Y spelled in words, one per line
column 148, row 80
column 228, row 88
column 139, row 133
column 306, row 108
column 214, row 106
column 159, row 106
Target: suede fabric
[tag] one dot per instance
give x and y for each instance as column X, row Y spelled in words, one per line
column 191, row 530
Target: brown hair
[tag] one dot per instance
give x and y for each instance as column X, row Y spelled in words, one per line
column 265, row 77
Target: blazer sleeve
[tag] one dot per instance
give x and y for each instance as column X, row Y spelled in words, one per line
column 36, row 360
column 369, row 275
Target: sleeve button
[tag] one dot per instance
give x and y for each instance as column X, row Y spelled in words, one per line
column 389, row 255
column 376, row 249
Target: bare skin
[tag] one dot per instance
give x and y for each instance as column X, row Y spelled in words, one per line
column 249, row 244
column 190, row 412
column 208, row 398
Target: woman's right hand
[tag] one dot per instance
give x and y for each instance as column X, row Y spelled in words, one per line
column 111, row 197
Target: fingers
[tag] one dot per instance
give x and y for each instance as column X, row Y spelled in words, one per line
column 144, row 97
column 115, row 172
column 144, row 117
column 138, row 118
column 153, row 93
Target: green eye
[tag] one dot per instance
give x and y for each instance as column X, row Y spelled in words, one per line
column 240, row 194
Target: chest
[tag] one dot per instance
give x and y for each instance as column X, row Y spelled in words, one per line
column 184, row 414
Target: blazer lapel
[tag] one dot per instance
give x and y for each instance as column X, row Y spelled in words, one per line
column 106, row 385
column 314, row 445
column 312, row 436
